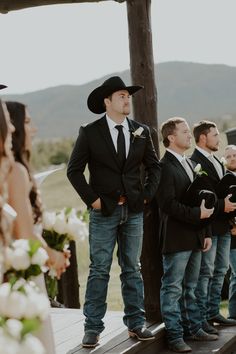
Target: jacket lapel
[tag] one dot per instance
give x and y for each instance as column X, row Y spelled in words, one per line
column 205, row 161
column 171, row 158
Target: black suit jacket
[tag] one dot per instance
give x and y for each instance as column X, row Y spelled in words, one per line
column 107, row 179
column 233, row 238
column 220, row 220
column 180, row 225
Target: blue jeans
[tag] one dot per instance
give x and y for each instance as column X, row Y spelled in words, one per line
column 178, row 306
column 214, row 266
column 126, row 229
column 232, row 284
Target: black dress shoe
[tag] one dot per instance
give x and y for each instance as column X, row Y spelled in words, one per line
column 221, row 320
column 141, row 333
column 90, row 340
column 202, row 336
column 208, row 328
column 180, row 347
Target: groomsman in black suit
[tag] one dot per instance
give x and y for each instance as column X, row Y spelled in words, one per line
column 215, row 262
column 115, row 148
column 183, row 237
column 230, row 157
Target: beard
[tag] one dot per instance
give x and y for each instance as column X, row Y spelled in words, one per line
column 212, row 148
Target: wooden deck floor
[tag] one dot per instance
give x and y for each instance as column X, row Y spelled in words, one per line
column 68, row 331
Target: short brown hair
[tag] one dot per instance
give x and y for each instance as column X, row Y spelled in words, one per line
column 203, row 127
column 169, row 127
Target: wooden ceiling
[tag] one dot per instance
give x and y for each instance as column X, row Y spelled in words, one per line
column 11, row 5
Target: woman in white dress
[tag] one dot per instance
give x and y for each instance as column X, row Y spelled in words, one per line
column 24, row 198
column 6, row 160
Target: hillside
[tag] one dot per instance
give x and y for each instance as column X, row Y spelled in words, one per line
column 191, row 90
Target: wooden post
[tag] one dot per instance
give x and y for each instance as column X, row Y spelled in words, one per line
column 145, row 111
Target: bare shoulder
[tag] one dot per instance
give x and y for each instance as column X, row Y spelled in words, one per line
column 19, row 173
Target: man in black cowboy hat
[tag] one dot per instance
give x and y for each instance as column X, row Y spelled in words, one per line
column 2, row 86
column 115, row 148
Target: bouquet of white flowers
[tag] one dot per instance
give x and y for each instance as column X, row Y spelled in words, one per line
column 25, row 258
column 59, row 228
column 62, row 227
column 22, row 310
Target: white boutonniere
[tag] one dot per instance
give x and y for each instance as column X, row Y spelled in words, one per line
column 199, row 171
column 137, row 133
column 223, row 161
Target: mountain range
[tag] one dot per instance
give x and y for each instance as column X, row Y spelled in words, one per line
column 191, row 90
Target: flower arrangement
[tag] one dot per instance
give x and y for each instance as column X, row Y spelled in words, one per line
column 59, row 228
column 199, row 171
column 137, row 133
column 25, row 258
column 223, row 161
column 22, row 310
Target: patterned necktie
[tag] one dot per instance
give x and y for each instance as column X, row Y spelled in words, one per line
column 216, row 165
column 121, row 145
column 187, row 169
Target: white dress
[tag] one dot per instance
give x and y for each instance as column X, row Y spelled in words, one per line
column 45, row 334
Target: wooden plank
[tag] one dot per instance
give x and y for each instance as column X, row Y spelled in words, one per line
column 10, row 5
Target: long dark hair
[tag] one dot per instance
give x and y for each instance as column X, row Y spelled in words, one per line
column 17, row 113
column 3, row 132
column 5, row 165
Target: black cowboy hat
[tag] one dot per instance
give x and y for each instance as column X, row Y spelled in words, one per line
column 198, row 190
column 95, row 100
column 2, row 86
column 226, row 186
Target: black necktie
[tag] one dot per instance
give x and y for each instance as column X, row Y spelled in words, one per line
column 121, row 145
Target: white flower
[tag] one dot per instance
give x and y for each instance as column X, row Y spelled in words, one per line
column 223, row 160
column 37, row 306
column 8, row 345
column 197, row 168
column 22, row 243
column 52, row 273
column 5, row 290
column 15, row 306
column 76, row 228
column 40, row 257
column 20, row 259
column 9, row 254
column 49, row 219
column 138, row 131
column 14, row 328
column 31, row 345
column 60, row 224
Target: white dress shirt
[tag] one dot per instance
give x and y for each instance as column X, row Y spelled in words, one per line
column 114, row 133
column 184, row 163
column 213, row 160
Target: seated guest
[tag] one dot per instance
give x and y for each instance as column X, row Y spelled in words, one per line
column 183, row 238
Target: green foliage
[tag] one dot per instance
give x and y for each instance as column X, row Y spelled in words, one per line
column 30, row 325
column 51, row 152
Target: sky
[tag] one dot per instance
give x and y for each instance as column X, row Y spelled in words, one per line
column 77, row 43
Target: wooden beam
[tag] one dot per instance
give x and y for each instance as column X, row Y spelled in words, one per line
column 145, row 111
column 11, row 5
